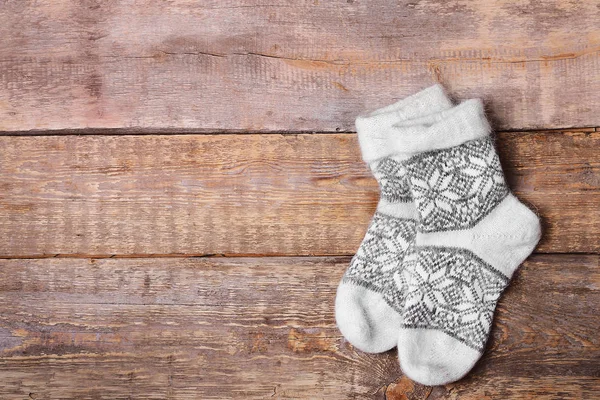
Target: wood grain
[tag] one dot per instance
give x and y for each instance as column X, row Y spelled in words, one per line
column 285, row 65
column 259, row 327
column 200, row 81
column 249, row 194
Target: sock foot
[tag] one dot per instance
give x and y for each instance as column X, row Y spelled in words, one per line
column 365, row 319
column 434, row 358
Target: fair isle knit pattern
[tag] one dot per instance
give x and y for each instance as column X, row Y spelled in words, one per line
column 472, row 235
column 451, row 290
column 380, row 256
column 368, row 301
column 383, row 248
column 392, row 183
column 455, row 188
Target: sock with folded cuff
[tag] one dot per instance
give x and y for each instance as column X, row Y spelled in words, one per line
column 472, row 234
column 368, row 299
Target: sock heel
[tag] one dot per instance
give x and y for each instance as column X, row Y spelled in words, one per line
column 507, row 236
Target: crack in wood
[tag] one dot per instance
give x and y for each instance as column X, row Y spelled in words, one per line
column 348, row 62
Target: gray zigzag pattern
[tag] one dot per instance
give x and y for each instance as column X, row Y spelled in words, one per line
column 380, row 256
column 453, row 291
column 457, row 187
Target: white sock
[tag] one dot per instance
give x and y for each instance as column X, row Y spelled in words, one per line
column 472, row 234
column 368, row 301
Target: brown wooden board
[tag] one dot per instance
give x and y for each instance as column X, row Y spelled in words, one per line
column 251, row 328
column 305, row 194
column 284, row 65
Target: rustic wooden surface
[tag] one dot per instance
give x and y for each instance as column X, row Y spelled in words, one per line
column 306, row 194
column 259, row 327
column 290, row 65
column 181, row 190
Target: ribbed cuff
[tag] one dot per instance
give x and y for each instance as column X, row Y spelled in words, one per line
column 447, row 128
column 377, row 123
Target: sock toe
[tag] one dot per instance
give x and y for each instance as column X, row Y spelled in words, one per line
column 365, row 319
column 433, row 358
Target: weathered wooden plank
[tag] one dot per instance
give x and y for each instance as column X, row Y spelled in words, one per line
column 289, row 65
column 249, row 194
column 253, row 328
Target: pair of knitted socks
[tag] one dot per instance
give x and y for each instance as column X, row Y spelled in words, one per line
column 446, row 237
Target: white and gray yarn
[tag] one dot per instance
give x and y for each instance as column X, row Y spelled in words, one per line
column 370, row 296
column 451, row 290
column 472, row 234
column 455, row 188
column 446, row 238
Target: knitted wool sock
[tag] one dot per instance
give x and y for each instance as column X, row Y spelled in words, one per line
column 472, row 234
column 368, row 301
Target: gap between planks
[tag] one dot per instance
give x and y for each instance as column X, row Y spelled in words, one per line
column 201, row 131
column 222, row 256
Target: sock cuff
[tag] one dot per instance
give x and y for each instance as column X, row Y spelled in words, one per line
column 443, row 129
column 377, row 124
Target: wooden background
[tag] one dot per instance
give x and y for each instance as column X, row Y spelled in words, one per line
column 181, row 190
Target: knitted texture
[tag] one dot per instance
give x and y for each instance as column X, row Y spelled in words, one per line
column 370, row 297
column 380, row 257
column 472, row 234
column 377, row 264
column 451, row 290
column 444, row 242
column 392, row 183
column 457, row 187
